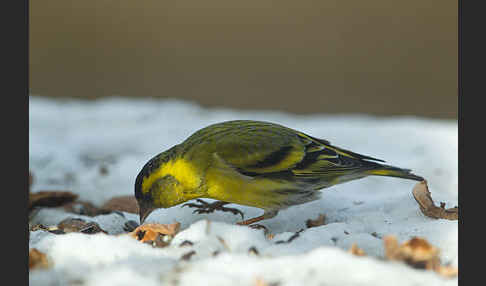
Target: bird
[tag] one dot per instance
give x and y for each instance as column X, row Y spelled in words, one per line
column 252, row 163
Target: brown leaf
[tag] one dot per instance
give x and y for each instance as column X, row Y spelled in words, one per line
column 122, row 203
column 391, row 247
column 51, row 229
column 156, row 234
column 355, row 250
column 37, row 259
column 79, row 225
column 71, row 224
column 50, row 199
column 320, row 220
column 418, row 253
column 421, row 194
column 448, row 271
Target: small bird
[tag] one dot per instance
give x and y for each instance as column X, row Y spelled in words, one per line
column 252, row 163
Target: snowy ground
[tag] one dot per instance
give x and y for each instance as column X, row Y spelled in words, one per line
column 70, row 140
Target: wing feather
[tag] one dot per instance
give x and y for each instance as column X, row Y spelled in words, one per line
column 256, row 148
column 329, row 162
column 249, row 146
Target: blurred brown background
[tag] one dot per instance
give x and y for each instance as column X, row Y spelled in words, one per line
column 384, row 57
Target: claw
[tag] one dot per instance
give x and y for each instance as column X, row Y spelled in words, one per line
column 190, row 205
column 199, row 211
column 193, row 205
column 235, row 212
column 205, row 207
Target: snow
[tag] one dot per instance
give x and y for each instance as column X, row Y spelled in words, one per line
column 70, row 140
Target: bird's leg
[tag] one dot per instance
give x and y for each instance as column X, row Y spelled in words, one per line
column 266, row 215
column 205, row 207
column 251, row 220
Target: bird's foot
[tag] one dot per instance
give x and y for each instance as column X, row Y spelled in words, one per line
column 205, row 207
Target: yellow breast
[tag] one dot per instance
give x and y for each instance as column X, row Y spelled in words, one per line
column 229, row 186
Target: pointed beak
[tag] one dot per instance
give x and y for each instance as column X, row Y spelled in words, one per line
column 144, row 211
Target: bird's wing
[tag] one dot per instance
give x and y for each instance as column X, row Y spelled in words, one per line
column 325, row 160
column 266, row 152
column 261, row 149
column 261, row 152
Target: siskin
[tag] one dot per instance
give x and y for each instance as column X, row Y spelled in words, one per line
column 252, row 163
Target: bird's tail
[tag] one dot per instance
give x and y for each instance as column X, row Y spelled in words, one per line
column 390, row 171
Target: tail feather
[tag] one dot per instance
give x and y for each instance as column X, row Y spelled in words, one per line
column 390, row 171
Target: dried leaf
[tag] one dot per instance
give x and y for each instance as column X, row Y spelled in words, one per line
column 71, row 225
column 391, row 247
column 92, row 228
column 159, row 241
column 355, row 250
column 37, row 259
column 421, row 194
column 51, row 229
column 122, row 203
column 50, row 199
column 418, row 253
column 37, row 227
column 448, row 271
column 156, row 234
column 320, row 220
column 419, row 250
column 79, row 225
